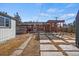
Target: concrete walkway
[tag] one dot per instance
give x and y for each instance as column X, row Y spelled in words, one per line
column 52, row 46
column 46, row 47
column 20, row 49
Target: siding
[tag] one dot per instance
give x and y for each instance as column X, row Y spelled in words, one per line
column 8, row 33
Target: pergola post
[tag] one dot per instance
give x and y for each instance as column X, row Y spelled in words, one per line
column 77, row 30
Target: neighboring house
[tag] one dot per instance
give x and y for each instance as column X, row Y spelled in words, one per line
column 49, row 26
column 7, row 27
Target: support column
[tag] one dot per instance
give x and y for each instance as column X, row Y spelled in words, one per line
column 77, row 30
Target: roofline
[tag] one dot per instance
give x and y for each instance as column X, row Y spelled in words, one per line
column 56, row 20
column 6, row 15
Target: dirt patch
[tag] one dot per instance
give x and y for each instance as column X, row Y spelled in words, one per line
column 32, row 48
column 9, row 46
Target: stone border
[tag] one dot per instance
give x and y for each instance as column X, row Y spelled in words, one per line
column 19, row 50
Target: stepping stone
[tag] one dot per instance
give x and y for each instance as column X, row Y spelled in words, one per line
column 17, row 53
column 50, row 36
column 71, row 41
column 60, row 36
column 21, row 48
column 47, row 47
column 68, row 47
column 45, row 41
column 73, row 53
column 51, row 54
column 43, row 37
column 57, row 35
column 65, row 38
column 73, row 38
column 58, row 41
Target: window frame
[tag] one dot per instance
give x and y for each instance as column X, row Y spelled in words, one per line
column 6, row 18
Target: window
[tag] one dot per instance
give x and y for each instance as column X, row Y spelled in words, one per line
column 5, row 22
column 1, row 21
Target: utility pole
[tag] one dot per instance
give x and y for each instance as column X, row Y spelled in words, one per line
column 56, row 24
column 56, row 18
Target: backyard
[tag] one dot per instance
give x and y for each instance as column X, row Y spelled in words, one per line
column 44, row 44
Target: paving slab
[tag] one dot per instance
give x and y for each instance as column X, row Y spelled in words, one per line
column 43, row 37
column 68, row 47
column 20, row 49
column 47, row 47
column 65, row 38
column 51, row 54
column 17, row 53
column 51, row 36
column 45, row 41
column 42, row 33
column 58, row 41
column 71, row 41
column 73, row 38
column 73, row 53
column 59, row 36
column 70, row 37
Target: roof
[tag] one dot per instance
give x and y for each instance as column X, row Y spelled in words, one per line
column 40, row 23
column 6, row 15
column 32, row 23
column 55, row 21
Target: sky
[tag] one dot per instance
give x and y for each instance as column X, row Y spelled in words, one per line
column 41, row 12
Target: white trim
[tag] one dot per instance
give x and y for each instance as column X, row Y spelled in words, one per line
column 5, row 18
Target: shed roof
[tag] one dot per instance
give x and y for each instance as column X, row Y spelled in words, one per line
column 6, row 15
column 32, row 23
